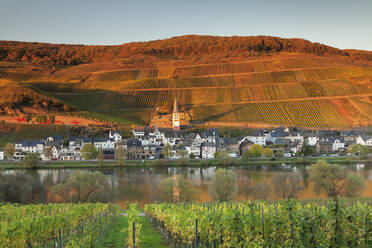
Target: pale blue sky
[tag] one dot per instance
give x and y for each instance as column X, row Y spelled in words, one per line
column 339, row 23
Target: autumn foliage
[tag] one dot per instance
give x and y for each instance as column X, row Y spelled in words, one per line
column 177, row 47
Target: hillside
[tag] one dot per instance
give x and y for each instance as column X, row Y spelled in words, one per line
column 218, row 81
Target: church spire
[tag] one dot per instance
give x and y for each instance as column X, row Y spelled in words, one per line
column 175, row 106
column 175, row 116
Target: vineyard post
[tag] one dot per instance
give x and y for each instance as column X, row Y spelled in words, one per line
column 263, row 225
column 60, row 238
column 134, row 234
column 196, row 233
column 367, row 228
column 100, row 224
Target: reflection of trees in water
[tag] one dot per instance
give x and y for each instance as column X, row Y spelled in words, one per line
column 141, row 184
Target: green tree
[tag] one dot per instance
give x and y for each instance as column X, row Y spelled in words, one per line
column 256, row 151
column 48, row 152
column 223, row 185
column 89, row 152
column 358, row 149
column 32, row 160
column 165, row 152
column 84, row 186
column 287, row 185
column 9, row 151
column 222, row 157
column 120, row 154
column 268, row 153
column 100, row 157
column 182, row 154
column 334, row 180
column 279, row 154
column 192, row 155
column 306, row 150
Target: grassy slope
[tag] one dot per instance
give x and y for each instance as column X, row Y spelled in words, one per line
column 115, row 238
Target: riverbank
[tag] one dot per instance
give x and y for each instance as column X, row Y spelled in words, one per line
column 176, row 163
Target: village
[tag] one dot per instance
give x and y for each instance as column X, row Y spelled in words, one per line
column 149, row 143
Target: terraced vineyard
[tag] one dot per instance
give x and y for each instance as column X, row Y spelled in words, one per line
column 290, row 89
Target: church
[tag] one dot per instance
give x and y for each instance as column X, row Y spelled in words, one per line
column 170, row 119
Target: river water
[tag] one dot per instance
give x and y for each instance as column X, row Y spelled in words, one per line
column 140, row 185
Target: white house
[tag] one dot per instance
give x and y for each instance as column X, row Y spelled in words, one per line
column 55, row 153
column 1, row 155
column 312, row 140
column 208, row 150
column 364, row 140
column 192, row 144
column 115, row 135
column 138, row 132
column 30, row 146
column 295, row 146
column 104, row 143
column 211, row 135
column 337, row 144
column 66, row 154
column 259, row 139
column 295, row 136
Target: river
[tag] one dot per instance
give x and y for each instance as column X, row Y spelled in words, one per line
column 140, row 184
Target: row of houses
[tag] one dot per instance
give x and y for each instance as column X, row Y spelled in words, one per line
column 66, row 148
column 150, row 142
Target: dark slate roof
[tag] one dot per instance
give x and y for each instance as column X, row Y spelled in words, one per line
column 324, row 143
column 189, row 139
column 327, row 133
column 116, row 131
column 230, row 141
column 56, row 138
column 278, row 132
column 212, row 132
column 208, row 144
column 352, row 133
column 102, row 140
column 134, row 142
column 333, row 139
column 30, row 143
column 246, row 142
column 282, row 141
column 257, row 132
column 366, row 137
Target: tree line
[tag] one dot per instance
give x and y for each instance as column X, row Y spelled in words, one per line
column 191, row 45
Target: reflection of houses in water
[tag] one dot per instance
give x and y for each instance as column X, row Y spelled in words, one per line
column 360, row 167
column 198, row 175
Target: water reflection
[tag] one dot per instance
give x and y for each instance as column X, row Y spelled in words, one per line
column 140, row 184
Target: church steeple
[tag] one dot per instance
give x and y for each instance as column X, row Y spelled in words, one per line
column 175, row 116
column 175, row 106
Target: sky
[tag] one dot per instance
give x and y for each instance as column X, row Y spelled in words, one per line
column 343, row 24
